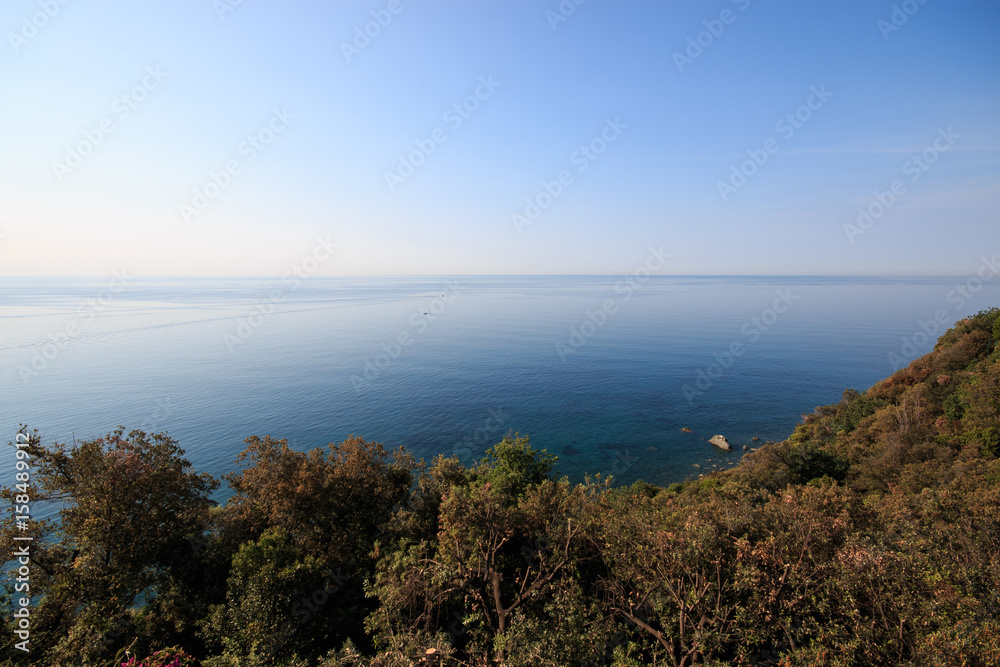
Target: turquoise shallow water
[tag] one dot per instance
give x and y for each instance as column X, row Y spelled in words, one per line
column 602, row 373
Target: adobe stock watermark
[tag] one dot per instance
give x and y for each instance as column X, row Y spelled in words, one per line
column 163, row 410
column 899, row 16
column 121, row 108
column 564, row 10
column 915, row 168
column 248, row 151
column 419, row 322
column 20, row 557
column 292, row 278
column 604, row 656
column 223, row 7
column 478, row 439
column 31, row 25
column 116, row 630
column 594, row 320
column 381, row 18
column 751, row 330
column 302, row 610
column 624, row 460
column 454, row 116
column 922, row 340
column 696, row 44
column 787, row 125
column 86, row 311
column 581, row 158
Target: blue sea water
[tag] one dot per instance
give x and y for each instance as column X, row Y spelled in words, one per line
column 602, row 372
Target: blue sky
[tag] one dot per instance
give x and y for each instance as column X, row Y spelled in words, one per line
column 199, row 80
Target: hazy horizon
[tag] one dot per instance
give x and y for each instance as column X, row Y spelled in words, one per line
column 902, row 276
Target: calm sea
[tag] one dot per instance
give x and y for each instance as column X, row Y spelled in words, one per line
column 601, row 371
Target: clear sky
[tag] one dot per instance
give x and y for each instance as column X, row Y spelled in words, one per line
column 682, row 108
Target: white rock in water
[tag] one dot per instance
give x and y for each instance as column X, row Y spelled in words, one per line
column 721, row 442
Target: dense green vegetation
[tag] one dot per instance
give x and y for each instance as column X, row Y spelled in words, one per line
column 869, row 537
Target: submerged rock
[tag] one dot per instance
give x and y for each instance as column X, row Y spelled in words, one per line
column 686, row 429
column 721, row 442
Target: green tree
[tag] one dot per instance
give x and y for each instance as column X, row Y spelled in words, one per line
column 512, row 465
column 277, row 604
column 333, row 505
column 500, row 576
column 129, row 504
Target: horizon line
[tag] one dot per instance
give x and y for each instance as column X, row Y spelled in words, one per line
column 492, row 275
